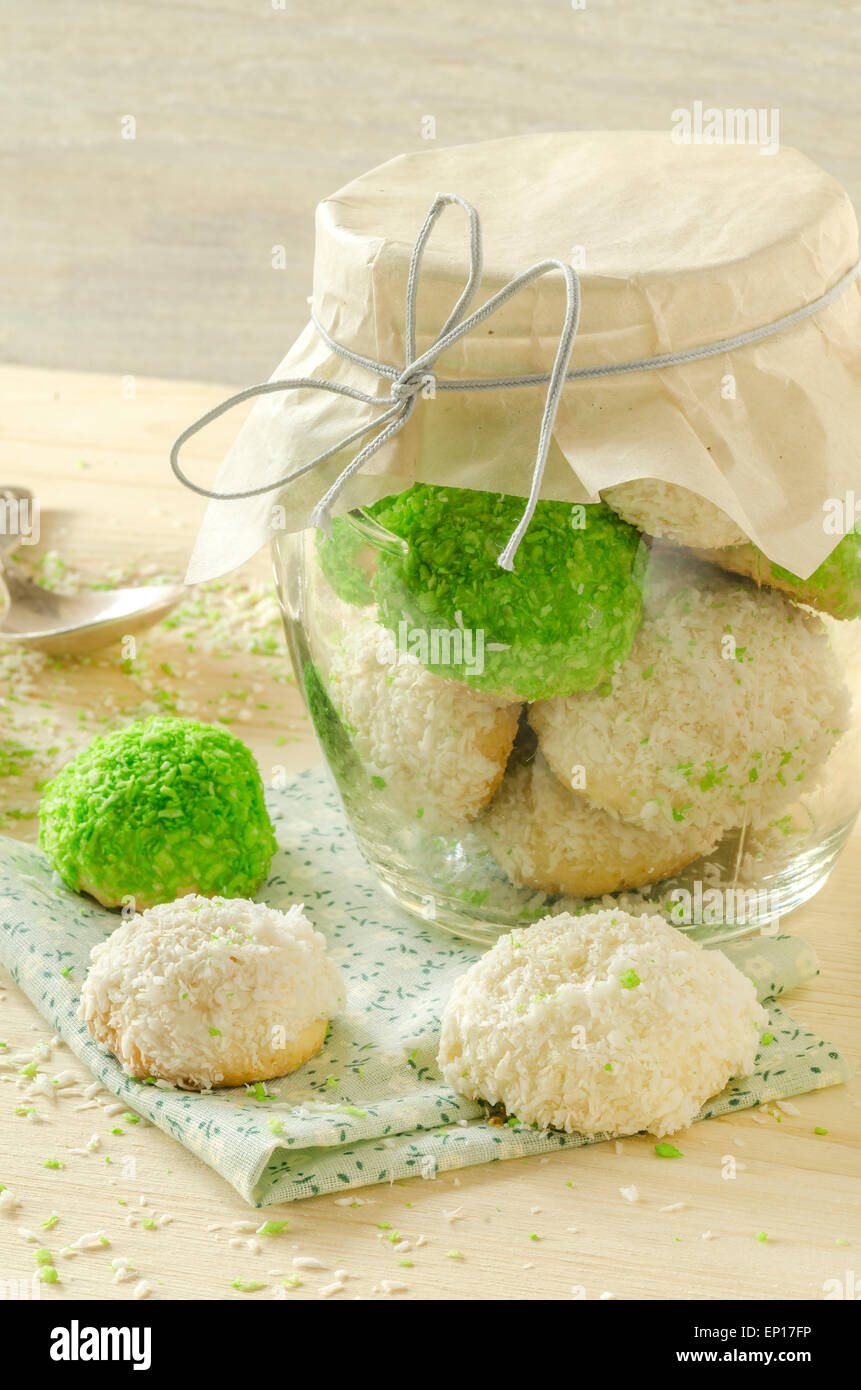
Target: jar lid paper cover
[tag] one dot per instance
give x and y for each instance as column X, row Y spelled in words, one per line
column 675, row 246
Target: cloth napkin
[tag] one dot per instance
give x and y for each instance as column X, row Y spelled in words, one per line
column 371, row 1107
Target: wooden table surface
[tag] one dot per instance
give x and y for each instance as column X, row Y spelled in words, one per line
column 97, row 461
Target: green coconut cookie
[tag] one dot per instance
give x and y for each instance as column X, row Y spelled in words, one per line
column 347, row 560
column 835, row 587
column 159, row 809
column 559, row 622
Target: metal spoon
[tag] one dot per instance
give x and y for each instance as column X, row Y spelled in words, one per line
column 35, row 617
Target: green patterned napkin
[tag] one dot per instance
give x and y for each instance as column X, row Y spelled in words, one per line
column 371, row 1107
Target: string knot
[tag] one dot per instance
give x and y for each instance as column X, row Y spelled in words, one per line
column 411, row 383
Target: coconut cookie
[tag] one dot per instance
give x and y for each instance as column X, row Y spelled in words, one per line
column 557, row 623
column 543, row 836
column 673, row 512
column 729, row 703
column 159, row 809
column 835, row 587
column 434, row 750
column 603, row 1024
column 207, row 992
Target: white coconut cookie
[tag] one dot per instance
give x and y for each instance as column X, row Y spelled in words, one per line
column 543, row 836
column 674, row 512
column 602, row 1024
column 435, row 749
column 208, row 992
column 728, row 705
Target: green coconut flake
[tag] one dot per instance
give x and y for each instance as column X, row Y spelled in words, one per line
column 272, row 1228
column 49, row 1275
column 145, row 810
column 276, row 1126
column 668, row 1151
column 454, row 1254
column 762, row 1236
column 51, row 1221
column 557, row 623
column 247, row 1285
column 53, row 1163
column 819, row 1129
column 43, row 1257
column 766, row 1039
column 629, row 980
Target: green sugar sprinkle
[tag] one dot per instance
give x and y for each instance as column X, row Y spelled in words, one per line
column 148, row 1223
column 130, row 1117
column 117, row 1130
column 819, row 1129
column 668, row 1151
column 277, row 1126
column 629, row 980
column 454, row 1254
column 766, row 1039
column 53, row 1163
column 248, row 1285
column 292, row 1281
column 145, row 810
column 762, row 1235
column 52, row 1221
column 272, row 1228
column 49, row 1275
column 215, row 1032
column 44, row 1257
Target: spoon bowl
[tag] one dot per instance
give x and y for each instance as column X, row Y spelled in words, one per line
column 75, row 623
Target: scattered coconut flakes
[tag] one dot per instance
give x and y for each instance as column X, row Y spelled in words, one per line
column 307, row 1262
column 116, row 1107
column 606, row 1295
column 788, row 1107
column 631, row 1194
column 63, row 1079
column 246, row 1227
column 214, row 1226
column 326, row 1290
column 420, row 1241
column 142, row 1290
column 756, row 1117
column 708, row 1235
column 8, row 1200
column 91, row 1240
column 455, row 1215
column 93, row 1089
column 389, row 1286
column 342, row 1275
column 619, row 1146
column 25, row 1234
column 674, row 1206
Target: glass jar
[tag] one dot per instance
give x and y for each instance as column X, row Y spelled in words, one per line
column 618, row 719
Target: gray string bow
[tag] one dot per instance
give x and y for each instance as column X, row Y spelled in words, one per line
column 409, row 382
